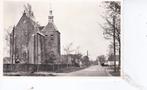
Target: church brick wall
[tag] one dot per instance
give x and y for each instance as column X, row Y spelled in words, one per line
column 30, row 45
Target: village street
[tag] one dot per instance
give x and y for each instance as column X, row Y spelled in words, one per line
column 95, row 70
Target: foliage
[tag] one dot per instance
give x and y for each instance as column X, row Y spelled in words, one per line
column 101, row 59
column 113, row 9
column 111, row 27
column 85, row 60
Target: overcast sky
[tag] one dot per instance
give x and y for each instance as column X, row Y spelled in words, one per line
column 77, row 21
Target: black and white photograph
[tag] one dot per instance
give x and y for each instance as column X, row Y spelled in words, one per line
column 62, row 38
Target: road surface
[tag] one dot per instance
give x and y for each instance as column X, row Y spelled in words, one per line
column 95, row 70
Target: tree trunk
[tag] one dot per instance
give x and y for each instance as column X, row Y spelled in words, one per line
column 119, row 55
column 114, row 43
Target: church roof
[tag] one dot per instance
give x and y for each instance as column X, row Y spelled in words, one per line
column 35, row 24
column 25, row 17
column 39, row 32
column 49, row 27
column 41, row 27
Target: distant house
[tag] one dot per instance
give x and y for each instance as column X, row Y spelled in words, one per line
column 72, row 59
column 111, row 60
column 31, row 43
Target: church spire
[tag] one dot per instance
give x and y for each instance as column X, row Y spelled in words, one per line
column 50, row 17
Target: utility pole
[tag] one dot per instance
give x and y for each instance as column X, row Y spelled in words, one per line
column 88, row 58
column 114, row 43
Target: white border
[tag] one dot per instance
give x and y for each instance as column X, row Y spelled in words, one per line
column 74, row 83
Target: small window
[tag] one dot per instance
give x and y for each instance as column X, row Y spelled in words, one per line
column 52, row 37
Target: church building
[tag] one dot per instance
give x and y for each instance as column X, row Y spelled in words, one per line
column 31, row 43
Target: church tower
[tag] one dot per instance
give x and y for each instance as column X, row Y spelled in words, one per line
column 52, row 40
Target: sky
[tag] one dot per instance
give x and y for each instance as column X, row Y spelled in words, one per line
column 77, row 21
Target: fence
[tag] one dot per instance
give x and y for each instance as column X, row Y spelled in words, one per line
column 33, row 67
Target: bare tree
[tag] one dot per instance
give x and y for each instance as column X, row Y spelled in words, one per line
column 7, row 35
column 28, row 11
column 77, row 50
column 68, row 50
column 111, row 26
column 7, row 32
column 111, row 48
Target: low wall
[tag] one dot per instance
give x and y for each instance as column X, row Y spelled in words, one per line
column 32, row 67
